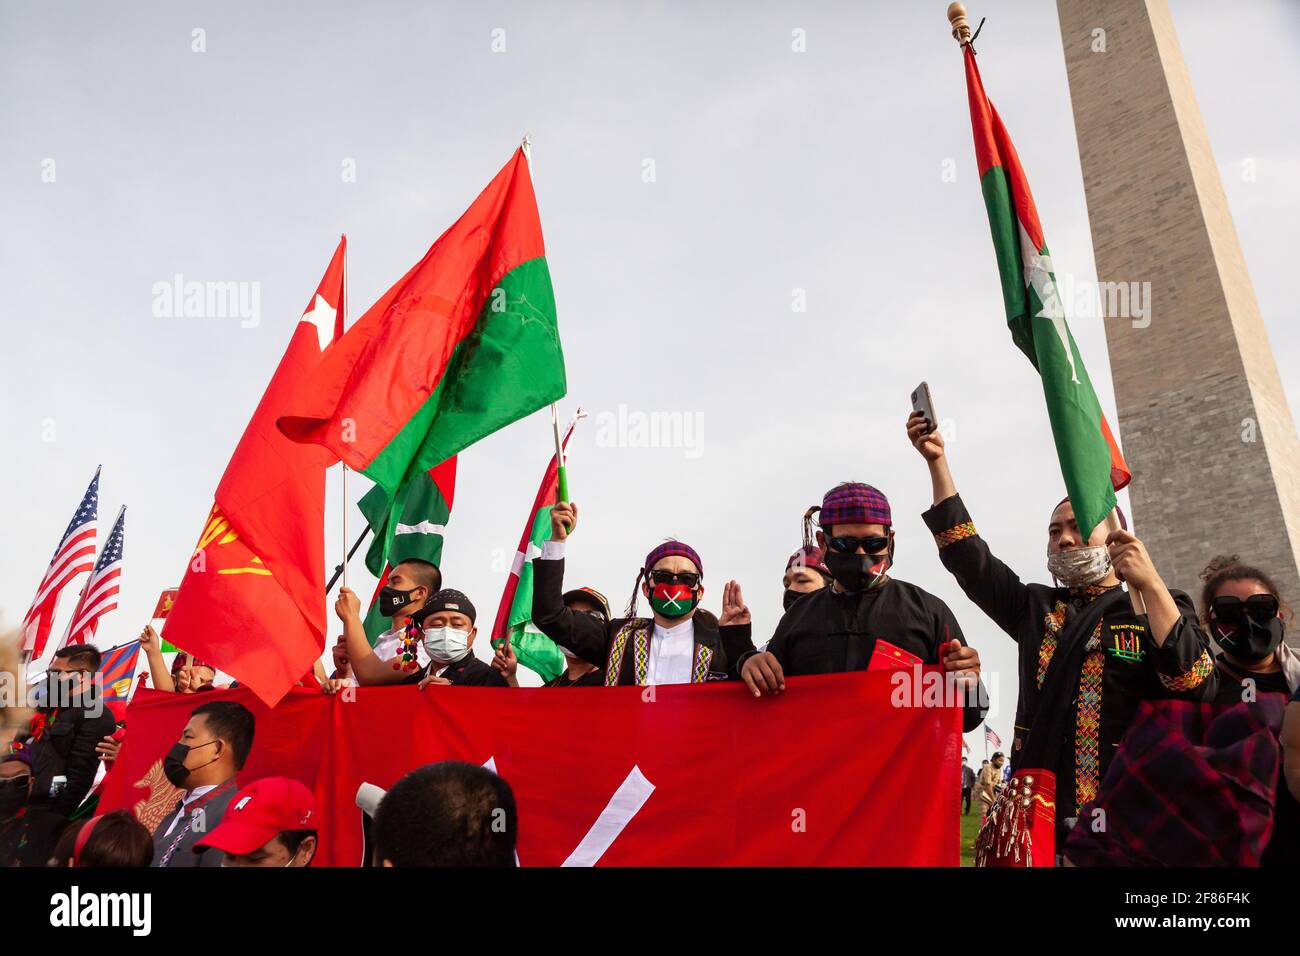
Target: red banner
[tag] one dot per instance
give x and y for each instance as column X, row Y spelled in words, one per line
column 828, row 773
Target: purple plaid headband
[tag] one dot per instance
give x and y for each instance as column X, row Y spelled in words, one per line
column 854, row 503
column 670, row 549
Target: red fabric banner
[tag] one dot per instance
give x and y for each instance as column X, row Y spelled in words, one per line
column 829, row 773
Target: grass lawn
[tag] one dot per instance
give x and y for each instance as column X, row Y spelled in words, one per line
column 970, row 826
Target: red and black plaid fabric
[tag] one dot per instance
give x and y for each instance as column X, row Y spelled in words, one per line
column 670, row 549
column 809, row 556
column 1193, row 784
column 854, row 503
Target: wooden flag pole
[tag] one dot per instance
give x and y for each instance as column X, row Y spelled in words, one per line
column 960, row 25
column 1139, row 605
column 562, row 492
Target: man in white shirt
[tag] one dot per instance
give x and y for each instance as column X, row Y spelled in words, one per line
column 677, row 645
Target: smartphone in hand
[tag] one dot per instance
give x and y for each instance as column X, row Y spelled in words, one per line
column 923, row 403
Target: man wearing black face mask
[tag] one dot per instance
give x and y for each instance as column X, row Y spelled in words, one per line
column 408, row 588
column 203, row 763
column 865, row 614
column 64, row 762
column 805, row 572
column 15, row 786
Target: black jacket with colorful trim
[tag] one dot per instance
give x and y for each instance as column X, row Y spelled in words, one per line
column 1119, row 664
column 621, row 645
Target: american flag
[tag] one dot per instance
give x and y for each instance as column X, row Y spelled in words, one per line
column 990, row 737
column 75, row 554
column 99, row 596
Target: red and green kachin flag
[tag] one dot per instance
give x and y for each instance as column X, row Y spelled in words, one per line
column 418, row 533
column 464, row 344
column 534, row 649
column 1091, row 462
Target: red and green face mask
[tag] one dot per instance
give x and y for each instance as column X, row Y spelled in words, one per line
column 673, row 600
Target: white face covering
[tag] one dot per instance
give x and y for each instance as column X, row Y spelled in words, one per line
column 1079, row 567
column 445, row 645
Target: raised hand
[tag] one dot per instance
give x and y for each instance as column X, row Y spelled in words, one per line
column 347, row 606
column 928, row 443
column 564, row 518
column 734, row 609
column 505, row 662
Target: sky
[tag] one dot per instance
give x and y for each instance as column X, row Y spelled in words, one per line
column 764, row 217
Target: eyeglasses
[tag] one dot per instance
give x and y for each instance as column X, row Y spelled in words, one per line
column 689, row 578
column 848, row 544
column 1229, row 610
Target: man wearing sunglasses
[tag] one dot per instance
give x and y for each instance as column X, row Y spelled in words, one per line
column 674, row 646
column 15, row 787
column 1087, row 662
column 865, row 614
column 577, row 672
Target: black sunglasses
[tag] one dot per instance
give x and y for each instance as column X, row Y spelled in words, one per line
column 689, row 578
column 847, row 543
column 1229, row 610
column 19, row 782
column 598, row 615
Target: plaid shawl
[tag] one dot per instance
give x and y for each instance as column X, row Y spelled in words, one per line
column 1193, row 784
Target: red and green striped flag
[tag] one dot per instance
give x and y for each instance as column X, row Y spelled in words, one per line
column 1091, row 462
column 419, row 531
column 464, row 344
column 534, row 649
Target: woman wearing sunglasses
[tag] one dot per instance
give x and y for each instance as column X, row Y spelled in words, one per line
column 1246, row 617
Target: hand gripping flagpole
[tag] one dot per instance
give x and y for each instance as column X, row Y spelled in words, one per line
column 1134, row 597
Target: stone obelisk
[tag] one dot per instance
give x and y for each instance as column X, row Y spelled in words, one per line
column 1203, row 419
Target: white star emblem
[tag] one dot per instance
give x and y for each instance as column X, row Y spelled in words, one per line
column 322, row 315
column 1038, row 275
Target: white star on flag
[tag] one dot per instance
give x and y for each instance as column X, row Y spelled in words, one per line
column 322, row 315
column 1038, row 275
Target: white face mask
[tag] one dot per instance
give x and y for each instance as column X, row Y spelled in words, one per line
column 1079, row 567
column 446, row 645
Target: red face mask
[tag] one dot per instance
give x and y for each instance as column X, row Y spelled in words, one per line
column 672, row 600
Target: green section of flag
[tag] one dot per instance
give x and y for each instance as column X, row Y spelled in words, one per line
column 534, row 649
column 509, row 366
column 418, row 532
column 1043, row 334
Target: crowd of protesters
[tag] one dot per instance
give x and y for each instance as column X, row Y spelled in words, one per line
column 1110, row 659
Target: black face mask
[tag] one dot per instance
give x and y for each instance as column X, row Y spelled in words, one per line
column 174, row 768
column 790, row 597
column 853, row 571
column 391, row 600
column 12, row 797
column 1252, row 640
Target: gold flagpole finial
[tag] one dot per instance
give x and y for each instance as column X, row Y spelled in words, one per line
column 960, row 25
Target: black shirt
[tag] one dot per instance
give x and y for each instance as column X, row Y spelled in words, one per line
column 594, row 678
column 829, row 632
column 1230, row 677
column 469, row 671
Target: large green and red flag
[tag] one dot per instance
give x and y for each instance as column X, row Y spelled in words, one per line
column 252, row 601
column 464, row 344
column 514, row 620
column 1091, row 462
column 418, row 533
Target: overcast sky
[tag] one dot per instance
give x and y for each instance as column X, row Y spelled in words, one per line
column 777, row 175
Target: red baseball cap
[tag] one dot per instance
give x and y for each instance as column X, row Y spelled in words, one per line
column 259, row 813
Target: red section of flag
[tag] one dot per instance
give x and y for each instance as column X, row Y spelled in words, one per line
column 256, row 608
column 861, row 790
column 164, row 605
column 392, row 359
column 885, row 656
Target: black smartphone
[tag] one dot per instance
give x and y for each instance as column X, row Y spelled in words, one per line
column 923, row 403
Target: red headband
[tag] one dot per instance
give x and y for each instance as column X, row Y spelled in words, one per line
column 83, row 837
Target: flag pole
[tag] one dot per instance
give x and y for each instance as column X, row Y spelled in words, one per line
column 344, row 566
column 562, row 474
column 1134, row 598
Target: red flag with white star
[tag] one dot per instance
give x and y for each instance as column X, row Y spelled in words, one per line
column 253, row 598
